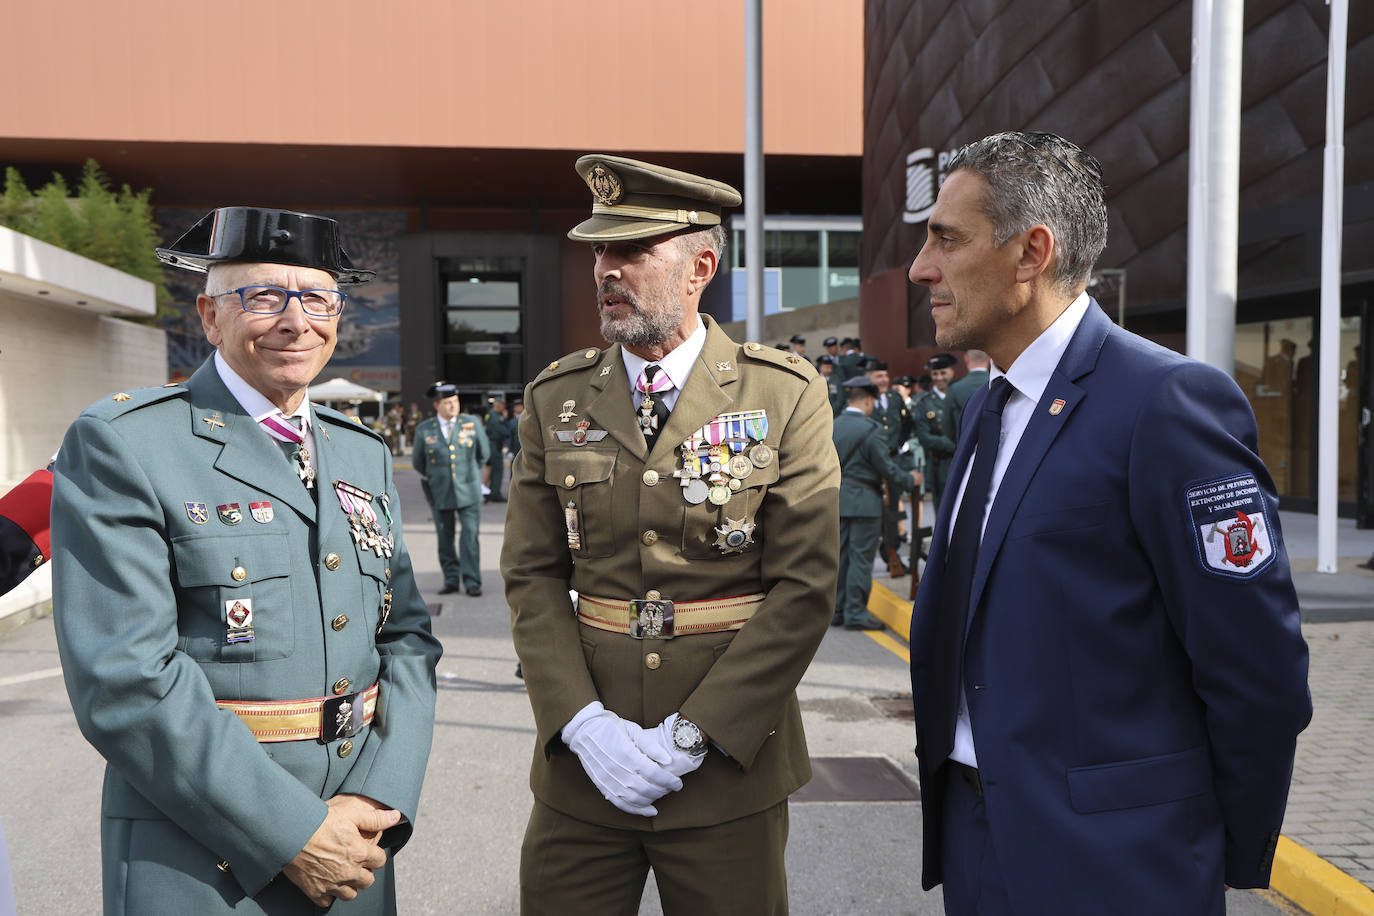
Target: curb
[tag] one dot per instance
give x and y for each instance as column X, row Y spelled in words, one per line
column 1302, row 876
column 1316, row 885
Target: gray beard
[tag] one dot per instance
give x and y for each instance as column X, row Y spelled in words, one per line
column 642, row 329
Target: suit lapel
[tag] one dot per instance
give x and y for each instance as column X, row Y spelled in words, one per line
column 327, row 470
column 247, row 453
column 1078, row 360
column 611, row 405
column 706, row 394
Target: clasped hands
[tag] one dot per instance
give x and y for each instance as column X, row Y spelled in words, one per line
column 632, row 766
column 340, row 857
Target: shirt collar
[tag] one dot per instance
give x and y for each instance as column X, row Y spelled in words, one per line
column 253, row 402
column 677, row 364
column 1031, row 372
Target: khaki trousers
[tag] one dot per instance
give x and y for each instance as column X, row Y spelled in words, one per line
column 569, row 867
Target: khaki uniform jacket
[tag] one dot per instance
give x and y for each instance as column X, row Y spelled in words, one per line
column 148, row 551
column 639, row 535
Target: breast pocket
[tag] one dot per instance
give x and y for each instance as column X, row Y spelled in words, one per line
column 584, row 481
column 1065, row 522
column 375, row 584
column 217, row 572
column 707, row 528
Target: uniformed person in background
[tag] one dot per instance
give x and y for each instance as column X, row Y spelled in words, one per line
column 890, row 412
column 848, row 364
column 936, row 424
column 685, row 486
column 960, row 390
column 235, row 608
column 825, row 365
column 24, row 528
column 451, row 449
column 832, row 348
column 864, row 463
column 798, row 343
column 517, row 410
column 499, row 431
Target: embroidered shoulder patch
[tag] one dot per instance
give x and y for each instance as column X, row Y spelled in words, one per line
column 1231, row 527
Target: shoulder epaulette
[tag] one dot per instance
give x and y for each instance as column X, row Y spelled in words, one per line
column 337, row 418
column 122, row 402
column 580, row 359
column 784, row 359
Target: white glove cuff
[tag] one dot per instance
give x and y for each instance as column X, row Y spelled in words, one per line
column 590, row 711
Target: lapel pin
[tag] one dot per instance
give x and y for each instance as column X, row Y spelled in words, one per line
column 1056, row 407
column 605, row 371
column 725, row 367
column 567, row 415
column 213, row 421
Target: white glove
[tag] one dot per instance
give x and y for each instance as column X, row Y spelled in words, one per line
column 627, row 776
column 658, row 743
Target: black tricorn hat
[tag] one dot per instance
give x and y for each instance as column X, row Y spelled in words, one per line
column 440, row 390
column 942, row 361
column 254, row 234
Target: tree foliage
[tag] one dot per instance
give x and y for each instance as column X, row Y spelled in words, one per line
column 112, row 227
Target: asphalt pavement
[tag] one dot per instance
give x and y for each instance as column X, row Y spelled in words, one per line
column 849, row 858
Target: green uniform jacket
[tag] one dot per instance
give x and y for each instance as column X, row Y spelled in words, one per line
column 452, row 467
column 146, row 564
column 864, row 460
column 936, row 422
column 639, row 535
column 960, row 390
column 838, row 400
column 895, row 421
column 499, row 431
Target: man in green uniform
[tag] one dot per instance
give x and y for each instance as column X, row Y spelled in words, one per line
column 685, row 486
column 961, row 390
column 864, row 463
column 890, row 412
column 825, row 365
column 450, row 450
column 851, row 357
column 936, row 425
column 499, row 430
column 240, row 630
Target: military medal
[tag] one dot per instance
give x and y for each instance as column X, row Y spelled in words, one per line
column 386, row 610
column 230, row 513
column 761, row 455
column 303, row 469
column 582, row 435
column 261, row 511
column 574, row 531
column 719, row 494
column 735, row 535
column 239, row 613
column 198, row 512
column 740, row 467
column 696, row 491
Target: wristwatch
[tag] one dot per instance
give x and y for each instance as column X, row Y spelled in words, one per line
column 687, row 737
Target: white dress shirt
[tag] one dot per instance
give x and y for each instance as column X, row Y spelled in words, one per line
column 677, row 365
column 256, row 405
column 1028, row 376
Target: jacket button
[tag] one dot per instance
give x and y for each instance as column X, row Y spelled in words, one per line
column 332, row 561
column 650, row 477
column 339, row 622
column 589, row 354
column 569, row 481
column 652, row 661
column 650, row 537
column 239, row 574
column 345, row 749
column 341, row 685
column 653, row 594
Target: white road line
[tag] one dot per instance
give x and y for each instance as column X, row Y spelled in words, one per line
column 31, row 676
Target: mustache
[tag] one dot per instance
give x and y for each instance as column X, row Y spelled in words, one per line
column 609, row 289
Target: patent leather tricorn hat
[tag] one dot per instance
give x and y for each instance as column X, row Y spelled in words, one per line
column 258, row 235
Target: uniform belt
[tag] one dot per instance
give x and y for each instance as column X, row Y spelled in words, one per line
column 659, row 618
column 322, row 719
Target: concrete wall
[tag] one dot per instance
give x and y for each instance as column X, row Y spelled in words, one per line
column 815, row 323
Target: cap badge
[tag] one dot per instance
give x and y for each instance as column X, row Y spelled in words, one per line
column 605, row 185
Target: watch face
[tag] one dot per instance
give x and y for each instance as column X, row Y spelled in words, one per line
column 686, row 735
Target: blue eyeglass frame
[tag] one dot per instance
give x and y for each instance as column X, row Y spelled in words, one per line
column 298, row 294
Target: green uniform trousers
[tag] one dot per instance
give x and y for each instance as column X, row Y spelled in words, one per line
column 497, row 463
column 463, row 568
column 569, row 867
column 859, row 536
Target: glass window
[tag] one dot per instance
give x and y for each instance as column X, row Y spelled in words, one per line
column 482, row 341
column 463, row 325
column 479, row 291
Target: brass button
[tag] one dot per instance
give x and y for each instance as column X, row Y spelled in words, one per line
column 752, row 346
column 387, row 573
column 223, row 865
column 332, row 561
column 569, row 481
column 653, row 594
column 589, row 354
column 341, row 685
column 345, row 749
column 239, row 574
column 339, row 622
column 650, row 537
column 552, row 366
column 650, row 477
column 652, row 661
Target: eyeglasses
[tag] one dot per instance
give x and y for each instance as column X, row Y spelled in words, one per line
column 272, row 300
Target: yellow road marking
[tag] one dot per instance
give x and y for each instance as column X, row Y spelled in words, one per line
column 1316, row 885
column 890, row 644
column 884, row 604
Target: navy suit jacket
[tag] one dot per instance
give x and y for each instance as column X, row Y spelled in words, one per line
column 1133, row 664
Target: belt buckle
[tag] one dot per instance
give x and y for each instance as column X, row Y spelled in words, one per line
column 651, row 618
column 341, row 717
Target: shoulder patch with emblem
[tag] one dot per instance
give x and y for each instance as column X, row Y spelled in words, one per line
column 1231, row 526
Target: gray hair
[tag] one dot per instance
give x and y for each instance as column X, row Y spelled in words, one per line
column 712, row 237
column 1036, row 177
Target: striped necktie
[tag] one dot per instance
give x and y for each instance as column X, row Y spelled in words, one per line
column 291, row 437
column 653, row 383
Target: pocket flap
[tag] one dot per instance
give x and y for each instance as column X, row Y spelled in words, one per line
column 1136, row 783
column 212, row 559
column 581, row 466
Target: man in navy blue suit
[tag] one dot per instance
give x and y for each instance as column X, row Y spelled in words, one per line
column 1107, row 667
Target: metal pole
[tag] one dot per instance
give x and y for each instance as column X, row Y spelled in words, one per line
column 1199, row 102
column 1333, row 183
column 753, row 168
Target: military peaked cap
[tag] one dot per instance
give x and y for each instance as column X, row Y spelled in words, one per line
column 633, row 199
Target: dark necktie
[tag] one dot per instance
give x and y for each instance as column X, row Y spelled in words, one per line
column 962, row 559
column 653, row 411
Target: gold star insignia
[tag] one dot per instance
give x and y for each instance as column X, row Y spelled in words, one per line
column 123, row 396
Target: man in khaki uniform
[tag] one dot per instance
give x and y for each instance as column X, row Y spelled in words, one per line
column 685, row 486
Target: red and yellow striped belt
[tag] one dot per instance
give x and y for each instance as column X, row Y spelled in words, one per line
column 660, row 618
column 316, row 719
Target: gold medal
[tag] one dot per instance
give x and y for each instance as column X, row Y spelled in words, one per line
column 761, row 455
column 740, row 467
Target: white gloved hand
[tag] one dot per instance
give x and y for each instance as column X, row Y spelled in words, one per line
column 627, row 776
column 658, row 743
